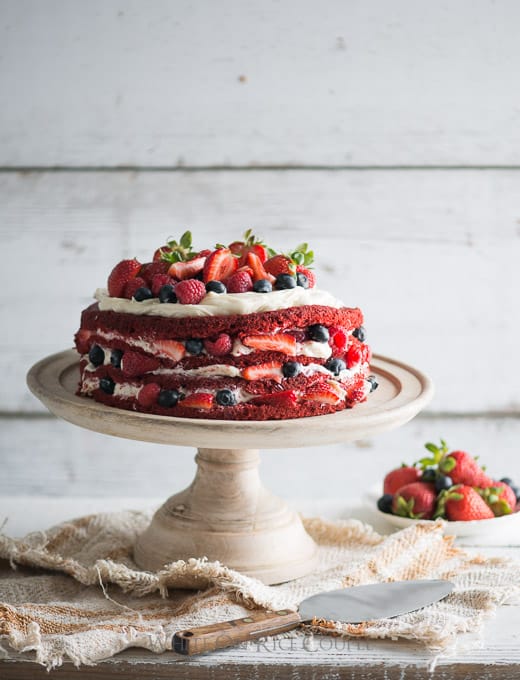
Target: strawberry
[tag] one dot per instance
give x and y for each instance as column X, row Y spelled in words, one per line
column 337, row 339
column 311, row 277
column 462, row 503
column 151, row 269
column 416, row 500
column 174, row 251
column 147, row 395
column 286, row 399
column 250, row 244
column 323, row 393
column 239, row 282
column 204, row 253
column 220, row 265
column 190, row 291
column 464, row 469
column 280, row 264
column 158, row 255
column 397, row 478
column 222, row 345
column 500, row 497
column 200, row 400
column 132, row 286
column 281, row 342
column 82, row 340
column 160, row 280
column 170, row 348
column 135, row 363
column 187, row 270
column 268, row 371
column 121, row 275
column 257, row 267
column 354, row 356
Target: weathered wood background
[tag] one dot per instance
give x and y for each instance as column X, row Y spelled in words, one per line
column 388, row 136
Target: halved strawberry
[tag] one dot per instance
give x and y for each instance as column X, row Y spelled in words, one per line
column 257, row 268
column 148, row 394
column 135, row 363
column 187, row 270
column 121, row 275
column 170, row 349
column 203, row 400
column 286, row 399
column 220, row 265
column 282, row 342
column 250, row 244
column 268, row 371
column 322, row 393
column 280, row 264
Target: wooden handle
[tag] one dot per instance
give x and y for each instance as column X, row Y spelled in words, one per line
column 218, row 635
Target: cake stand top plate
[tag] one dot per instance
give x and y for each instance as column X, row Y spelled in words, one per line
column 403, row 391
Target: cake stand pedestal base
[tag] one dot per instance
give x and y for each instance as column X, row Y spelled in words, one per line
column 226, row 514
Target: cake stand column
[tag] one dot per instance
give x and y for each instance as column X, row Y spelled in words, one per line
column 226, row 514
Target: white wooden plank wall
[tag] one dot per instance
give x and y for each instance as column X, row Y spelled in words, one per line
column 387, row 135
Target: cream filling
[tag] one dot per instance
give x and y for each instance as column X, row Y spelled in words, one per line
column 226, row 304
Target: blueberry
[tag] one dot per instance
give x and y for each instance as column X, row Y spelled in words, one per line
column 443, row 482
column 318, row 332
column 285, row 281
column 226, row 398
column 262, row 286
column 336, row 366
column 291, row 369
column 115, row 358
column 516, row 491
column 107, row 385
column 359, row 333
column 194, row 346
column 429, row 475
column 96, row 355
column 302, row 280
column 373, row 382
column 385, row 503
column 168, row 398
column 215, row 287
column 508, row 481
column 143, row 293
column 167, row 294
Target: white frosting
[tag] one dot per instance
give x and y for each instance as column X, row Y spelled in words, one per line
column 226, row 304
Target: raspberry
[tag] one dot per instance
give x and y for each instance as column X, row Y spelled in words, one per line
column 148, row 395
column 338, row 339
column 190, row 291
column 151, row 269
column 311, row 277
column 160, row 280
column 222, row 345
column 132, row 286
column 354, row 356
column 240, row 282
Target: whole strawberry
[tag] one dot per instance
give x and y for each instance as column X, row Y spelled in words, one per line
column 464, row 469
column 416, row 500
column 190, row 291
column 397, row 478
column 120, row 275
column 500, row 497
column 462, row 503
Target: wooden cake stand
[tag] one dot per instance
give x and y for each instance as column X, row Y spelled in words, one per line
column 226, row 514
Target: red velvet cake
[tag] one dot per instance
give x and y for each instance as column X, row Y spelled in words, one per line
column 234, row 333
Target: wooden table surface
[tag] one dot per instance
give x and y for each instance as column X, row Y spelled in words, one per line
column 495, row 655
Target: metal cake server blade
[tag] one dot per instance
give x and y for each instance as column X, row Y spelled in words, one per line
column 347, row 605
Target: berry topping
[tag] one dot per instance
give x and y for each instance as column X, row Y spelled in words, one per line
column 239, row 282
column 174, row 251
column 397, row 478
column 284, row 282
column 281, row 342
column 226, row 398
column 323, row 393
column 168, row 398
column 286, row 399
column 338, row 339
column 257, row 268
column 416, row 500
column 187, row 270
column 250, row 244
column 132, row 286
column 148, row 395
column 291, row 369
column 115, row 358
column 96, row 355
column 152, row 269
column 167, row 294
column 262, row 286
column 172, row 349
column 142, row 293
column 268, row 371
column 318, row 333
column 194, row 346
column 216, row 287
column 222, row 345
column 160, row 280
column 107, row 385
column 302, row 280
column 190, row 291
column 373, row 382
column 134, row 364
column 280, row 264
column 309, row 275
column 354, row 356
column 385, row 503
column 220, row 265
column 201, row 400
column 359, row 333
column 120, row 275
column 335, row 366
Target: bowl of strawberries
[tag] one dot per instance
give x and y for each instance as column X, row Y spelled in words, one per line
column 451, row 485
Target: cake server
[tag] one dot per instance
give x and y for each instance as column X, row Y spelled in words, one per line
column 348, row 605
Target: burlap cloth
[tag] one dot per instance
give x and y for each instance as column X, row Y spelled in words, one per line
column 109, row 604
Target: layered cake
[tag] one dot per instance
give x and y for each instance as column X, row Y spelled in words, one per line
column 237, row 332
